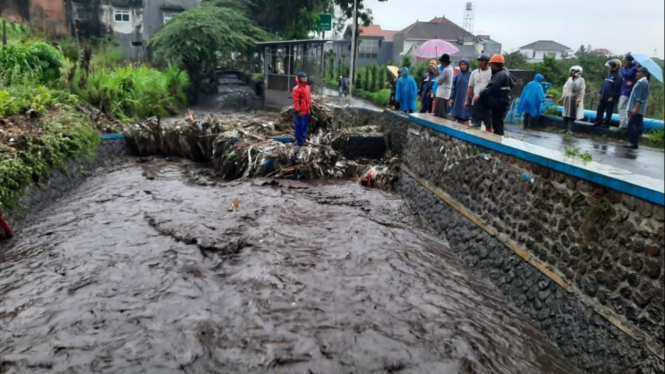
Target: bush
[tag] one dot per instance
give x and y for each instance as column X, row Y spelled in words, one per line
column 20, row 63
column 137, row 91
column 21, row 98
column 67, row 135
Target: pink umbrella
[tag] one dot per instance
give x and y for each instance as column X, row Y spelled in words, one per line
column 435, row 48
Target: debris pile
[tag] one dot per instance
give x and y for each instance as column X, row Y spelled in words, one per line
column 319, row 118
column 248, row 149
column 382, row 176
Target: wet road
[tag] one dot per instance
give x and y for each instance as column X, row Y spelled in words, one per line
column 645, row 161
column 143, row 269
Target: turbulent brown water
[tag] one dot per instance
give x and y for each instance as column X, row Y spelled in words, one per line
column 143, row 269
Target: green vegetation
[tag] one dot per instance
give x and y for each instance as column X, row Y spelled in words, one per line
column 655, row 138
column 574, row 152
column 47, row 91
column 32, row 154
column 136, row 91
column 196, row 40
column 32, row 61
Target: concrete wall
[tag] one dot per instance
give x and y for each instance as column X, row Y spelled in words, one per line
column 49, row 16
column 583, row 260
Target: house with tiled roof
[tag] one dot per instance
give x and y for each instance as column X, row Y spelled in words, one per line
column 406, row 41
column 538, row 50
column 375, row 45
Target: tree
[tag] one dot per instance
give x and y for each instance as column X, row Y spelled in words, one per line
column 193, row 39
column 363, row 16
column 515, row 60
column 289, row 19
column 551, row 70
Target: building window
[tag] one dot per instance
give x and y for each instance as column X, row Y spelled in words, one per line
column 368, row 49
column 550, row 54
column 167, row 18
column 122, row 16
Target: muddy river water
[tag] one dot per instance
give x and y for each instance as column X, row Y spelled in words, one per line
column 143, row 269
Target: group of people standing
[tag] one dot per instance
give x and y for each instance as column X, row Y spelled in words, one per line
column 478, row 98
column 626, row 86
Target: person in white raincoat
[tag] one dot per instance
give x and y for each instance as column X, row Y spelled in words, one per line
column 573, row 97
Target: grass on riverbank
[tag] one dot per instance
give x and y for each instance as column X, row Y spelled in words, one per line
column 47, row 98
column 29, row 149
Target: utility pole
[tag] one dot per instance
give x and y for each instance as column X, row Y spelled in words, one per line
column 353, row 48
column 4, row 33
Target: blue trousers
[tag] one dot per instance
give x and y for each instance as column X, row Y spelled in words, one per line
column 302, row 125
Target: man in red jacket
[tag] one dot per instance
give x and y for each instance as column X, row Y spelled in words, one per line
column 302, row 103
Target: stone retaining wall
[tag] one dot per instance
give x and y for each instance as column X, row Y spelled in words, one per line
column 603, row 248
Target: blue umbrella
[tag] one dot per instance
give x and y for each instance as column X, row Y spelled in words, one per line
column 651, row 65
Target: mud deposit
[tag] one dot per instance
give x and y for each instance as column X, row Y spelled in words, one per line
column 143, row 269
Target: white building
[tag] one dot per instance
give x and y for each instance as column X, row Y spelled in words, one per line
column 537, row 51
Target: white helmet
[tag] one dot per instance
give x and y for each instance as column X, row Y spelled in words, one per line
column 576, row 68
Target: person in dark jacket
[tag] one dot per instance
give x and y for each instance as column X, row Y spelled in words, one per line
column 494, row 100
column 609, row 94
column 426, row 94
column 628, row 72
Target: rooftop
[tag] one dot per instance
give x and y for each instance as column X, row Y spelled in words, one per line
column 546, row 45
column 437, row 28
column 374, row 31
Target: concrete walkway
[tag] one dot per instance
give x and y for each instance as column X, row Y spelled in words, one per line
column 645, row 161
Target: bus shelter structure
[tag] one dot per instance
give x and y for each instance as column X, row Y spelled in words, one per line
column 282, row 61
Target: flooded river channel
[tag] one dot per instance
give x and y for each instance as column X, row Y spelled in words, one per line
column 143, row 269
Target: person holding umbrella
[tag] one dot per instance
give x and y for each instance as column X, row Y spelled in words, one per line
column 427, row 87
column 444, row 87
column 637, row 105
column 628, row 74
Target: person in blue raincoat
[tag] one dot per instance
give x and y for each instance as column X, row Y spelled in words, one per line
column 531, row 100
column 406, row 92
column 459, row 110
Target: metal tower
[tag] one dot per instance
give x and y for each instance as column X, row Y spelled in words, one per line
column 468, row 18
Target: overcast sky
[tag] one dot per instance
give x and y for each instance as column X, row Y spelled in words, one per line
column 618, row 25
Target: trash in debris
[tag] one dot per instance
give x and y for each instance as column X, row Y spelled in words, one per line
column 382, row 176
column 483, row 156
column 234, row 205
column 414, row 132
column 319, row 118
column 527, row 177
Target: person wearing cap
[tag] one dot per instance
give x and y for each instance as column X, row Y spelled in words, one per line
column 302, row 104
column 628, row 72
column 427, row 88
column 637, row 105
column 459, row 109
column 573, row 97
column 494, row 100
column 444, row 87
column 479, row 79
column 609, row 94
